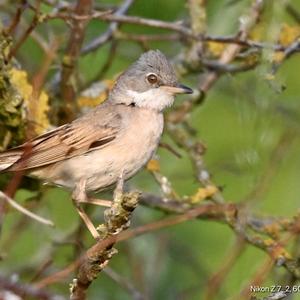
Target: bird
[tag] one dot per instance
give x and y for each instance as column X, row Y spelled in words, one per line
column 108, row 144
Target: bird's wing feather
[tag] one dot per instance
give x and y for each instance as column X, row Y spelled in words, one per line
column 93, row 131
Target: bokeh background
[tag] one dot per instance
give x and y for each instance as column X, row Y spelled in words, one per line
column 249, row 123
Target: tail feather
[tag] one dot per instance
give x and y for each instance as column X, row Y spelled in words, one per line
column 8, row 158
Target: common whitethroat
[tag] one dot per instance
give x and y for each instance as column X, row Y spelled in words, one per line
column 111, row 142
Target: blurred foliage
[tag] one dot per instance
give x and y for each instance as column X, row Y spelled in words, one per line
column 20, row 81
column 249, row 123
column 11, row 129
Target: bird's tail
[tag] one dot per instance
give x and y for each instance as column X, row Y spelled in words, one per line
column 8, row 158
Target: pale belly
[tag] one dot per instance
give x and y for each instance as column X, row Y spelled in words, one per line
column 127, row 154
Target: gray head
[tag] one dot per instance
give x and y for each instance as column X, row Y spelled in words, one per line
column 150, row 82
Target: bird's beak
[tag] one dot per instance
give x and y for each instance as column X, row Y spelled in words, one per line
column 177, row 89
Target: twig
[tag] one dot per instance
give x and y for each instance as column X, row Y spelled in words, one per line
column 58, row 276
column 16, row 19
column 170, row 149
column 142, row 38
column 232, row 50
column 278, row 296
column 108, row 17
column 68, row 77
column 217, row 279
column 100, row 74
column 108, row 34
column 124, row 283
column 24, row 211
column 13, row 185
column 196, row 150
column 37, row 85
column 257, row 280
column 25, row 35
column 26, row 290
column 293, row 12
column 197, row 12
column 293, row 48
column 233, row 216
column 213, row 65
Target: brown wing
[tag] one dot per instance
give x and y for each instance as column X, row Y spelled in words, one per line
column 83, row 135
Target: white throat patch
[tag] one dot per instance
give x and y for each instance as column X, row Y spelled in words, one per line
column 156, row 99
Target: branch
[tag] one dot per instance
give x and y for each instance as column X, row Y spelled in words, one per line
column 117, row 219
column 108, row 34
column 16, row 19
column 293, row 12
column 293, row 48
column 25, row 211
column 232, row 50
column 68, row 80
column 236, row 218
column 184, row 31
column 123, row 282
column 26, row 290
column 24, row 36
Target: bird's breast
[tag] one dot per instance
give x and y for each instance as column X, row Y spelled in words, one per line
column 130, row 151
column 133, row 146
column 140, row 140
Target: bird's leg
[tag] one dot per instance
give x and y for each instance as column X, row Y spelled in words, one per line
column 79, row 196
column 100, row 202
column 118, row 192
column 95, row 201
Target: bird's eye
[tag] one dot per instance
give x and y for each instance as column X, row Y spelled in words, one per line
column 152, row 78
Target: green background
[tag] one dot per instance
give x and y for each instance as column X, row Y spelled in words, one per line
column 241, row 121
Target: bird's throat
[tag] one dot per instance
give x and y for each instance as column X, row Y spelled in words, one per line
column 155, row 99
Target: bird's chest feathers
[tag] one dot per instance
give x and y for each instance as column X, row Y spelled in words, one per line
column 127, row 153
column 142, row 134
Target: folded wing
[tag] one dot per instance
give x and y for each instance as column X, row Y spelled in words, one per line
column 93, row 131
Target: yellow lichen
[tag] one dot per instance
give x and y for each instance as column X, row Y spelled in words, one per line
column 276, row 250
column 215, row 48
column 273, row 229
column 38, row 110
column 279, row 252
column 153, row 165
column 258, row 32
column 269, row 242
column 96, row 94
column 278, row 57
column 204, row 193
column 288, row 34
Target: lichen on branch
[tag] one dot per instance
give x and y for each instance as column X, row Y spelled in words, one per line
column 12, row 124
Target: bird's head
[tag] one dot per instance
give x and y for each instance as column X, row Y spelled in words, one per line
column 150, row 82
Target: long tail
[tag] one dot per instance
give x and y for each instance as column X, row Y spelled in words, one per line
column 8, row 158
